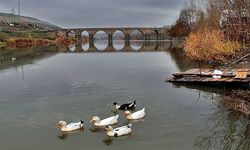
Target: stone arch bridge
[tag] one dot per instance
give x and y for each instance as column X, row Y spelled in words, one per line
column 146, row 33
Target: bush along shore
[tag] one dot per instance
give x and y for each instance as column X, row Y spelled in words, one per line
column 217, row 32
column 29, row 39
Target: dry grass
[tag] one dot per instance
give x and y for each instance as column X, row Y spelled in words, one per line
column 205, row 44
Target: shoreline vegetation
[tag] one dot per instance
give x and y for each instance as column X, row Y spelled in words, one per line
column 214, row 31
column 30, row 39
column 21, row 31
column 217, row 32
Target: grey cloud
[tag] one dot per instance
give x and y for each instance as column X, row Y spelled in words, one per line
column 96, row 13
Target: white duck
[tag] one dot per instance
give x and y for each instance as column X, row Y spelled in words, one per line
column 124, row 130
column 136, row 115
column 70, row 127
column 105, row 122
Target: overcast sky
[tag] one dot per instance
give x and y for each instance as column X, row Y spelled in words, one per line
column 99, row 13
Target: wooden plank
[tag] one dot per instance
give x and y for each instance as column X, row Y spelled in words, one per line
column 225, row 79
column 193, row 76
column 241, row 74
column 207, row 73
column 234, row 71
column 207, row 79
column 230, row 80
column 192, row 71
column 214, row 79
column 200, row 80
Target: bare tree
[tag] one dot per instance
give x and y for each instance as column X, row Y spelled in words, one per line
column 232, row 16
column 188, row 18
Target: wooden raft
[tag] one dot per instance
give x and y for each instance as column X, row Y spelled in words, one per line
column 229, row 77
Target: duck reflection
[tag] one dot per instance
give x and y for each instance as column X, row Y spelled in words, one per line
column 108, row 140
column 65, row 135
column 97, row 129
column 134, row 121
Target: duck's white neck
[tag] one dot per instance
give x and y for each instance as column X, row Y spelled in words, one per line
column 63, row 123
column 110, row 131
column 129, row 116
column 97, row 121
column 117, row 106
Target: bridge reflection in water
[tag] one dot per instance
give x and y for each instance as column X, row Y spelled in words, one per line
column 121, row 45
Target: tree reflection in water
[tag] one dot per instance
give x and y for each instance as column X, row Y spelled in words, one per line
column 224, row 130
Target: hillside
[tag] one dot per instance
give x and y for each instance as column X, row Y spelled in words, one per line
column 22, row 23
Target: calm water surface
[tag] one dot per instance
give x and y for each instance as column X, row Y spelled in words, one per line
column 69, row 86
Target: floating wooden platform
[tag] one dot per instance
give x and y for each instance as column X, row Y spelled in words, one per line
column 229, row 78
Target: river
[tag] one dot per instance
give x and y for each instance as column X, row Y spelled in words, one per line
column 46, row 85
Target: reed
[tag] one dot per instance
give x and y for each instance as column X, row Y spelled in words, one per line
column 206, row 45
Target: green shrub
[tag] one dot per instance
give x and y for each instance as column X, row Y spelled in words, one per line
column 3, row 37
column 17, row 34
column 2, row 44
column 48, row 36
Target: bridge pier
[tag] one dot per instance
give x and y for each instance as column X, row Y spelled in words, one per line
column 127, row 37
column 110, row 40
column 127, row 40
column 78, row 47
column 146, row 43
column 147, row 37
column 91, row 40
column 160, row 37
column 79, row 37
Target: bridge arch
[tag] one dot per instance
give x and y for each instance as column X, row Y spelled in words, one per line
column 101, row 40
column 118, row 40
column 71, row 34
column 100, row 34
column 72, row 47
column 136, row 34
column 147, row 36
column 157, row 35
column 119, row 35
column 136, row 45
column 85, row 40
column 85, row 36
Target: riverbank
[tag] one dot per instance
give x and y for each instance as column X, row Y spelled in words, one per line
column 31, row 42
column 2, row 44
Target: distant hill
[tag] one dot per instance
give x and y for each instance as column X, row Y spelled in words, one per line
column 22, row 23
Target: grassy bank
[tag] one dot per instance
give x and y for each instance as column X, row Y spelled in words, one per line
column 5, row 35
column 27, row 39
column 2, row 44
